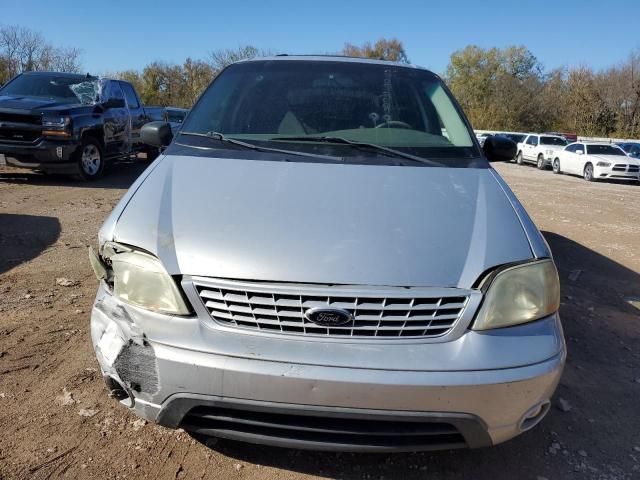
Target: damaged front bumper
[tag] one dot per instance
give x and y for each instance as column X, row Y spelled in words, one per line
column 181, row 372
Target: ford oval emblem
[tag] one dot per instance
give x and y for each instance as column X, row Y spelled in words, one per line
column 328, row 317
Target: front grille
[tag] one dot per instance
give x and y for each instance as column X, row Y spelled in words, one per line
column 625, row 168
column 401, row 313
column 323, row 432
column 20, row 118
column 20, row 128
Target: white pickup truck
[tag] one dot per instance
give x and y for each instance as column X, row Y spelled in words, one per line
column 539, row 149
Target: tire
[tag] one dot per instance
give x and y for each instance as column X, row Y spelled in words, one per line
column 556, row 166
column 519, row 159
column 540, row 162
column 587, row 174
column 90, row 159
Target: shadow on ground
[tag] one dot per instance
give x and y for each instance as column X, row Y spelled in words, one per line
column 593, row 439
column 120, row 174
column 24, row 237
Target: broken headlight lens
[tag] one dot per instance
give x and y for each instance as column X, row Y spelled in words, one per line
column 520, row 294
column 140, row 279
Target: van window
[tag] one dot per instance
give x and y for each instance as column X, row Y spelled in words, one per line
column 130, row 95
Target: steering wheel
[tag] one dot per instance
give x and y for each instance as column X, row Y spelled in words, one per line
column 395, row 123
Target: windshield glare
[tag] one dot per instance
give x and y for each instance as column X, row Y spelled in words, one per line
column 60, row 89
column 553, row 141
column 604, row 150
column 398, row 107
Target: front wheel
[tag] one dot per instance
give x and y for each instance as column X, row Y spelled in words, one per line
column 556, row 165
column 540, row 162
column 519, row 159
column 90, row 159
column 588, row 172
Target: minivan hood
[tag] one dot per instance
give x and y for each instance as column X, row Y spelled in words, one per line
column 323, row 223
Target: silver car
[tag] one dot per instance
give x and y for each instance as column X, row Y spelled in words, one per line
column 323, row 258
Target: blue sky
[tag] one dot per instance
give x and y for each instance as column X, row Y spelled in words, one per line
column 117, row 35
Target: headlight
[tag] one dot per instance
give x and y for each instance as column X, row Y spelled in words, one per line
column 56, row 126
column 603, row 164
column 549, row 153
column 520, row 294
column 140, row 279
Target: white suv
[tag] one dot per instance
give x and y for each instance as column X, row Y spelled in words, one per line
column 539, row 149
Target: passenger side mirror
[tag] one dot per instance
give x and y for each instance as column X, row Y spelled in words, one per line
column 114, row 103
column 156, row 134
column 499, row 149
column 580, row 152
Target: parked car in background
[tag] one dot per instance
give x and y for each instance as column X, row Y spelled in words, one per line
column 631, row 148
column 539, row 149
column 482, row 137
column 514, row 137
column 69, row 123
column 308, row 265
column 174, row 117
column 596, row 161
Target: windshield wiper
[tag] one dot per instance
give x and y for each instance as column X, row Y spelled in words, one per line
column 392, row 152
column 220, row 137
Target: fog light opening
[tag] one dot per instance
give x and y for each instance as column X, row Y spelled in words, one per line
column 534, row 415
column 118, row 391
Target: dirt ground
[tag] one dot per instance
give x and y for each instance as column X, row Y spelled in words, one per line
column 57, row 421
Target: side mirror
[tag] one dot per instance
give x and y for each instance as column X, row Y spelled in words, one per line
column 499, row 149
column 156, row 134
column 580, row 152
column 114, row 103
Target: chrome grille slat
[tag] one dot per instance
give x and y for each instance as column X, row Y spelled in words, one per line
column 386, row 313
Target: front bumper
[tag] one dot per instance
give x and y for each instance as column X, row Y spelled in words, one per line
column 615, row 174
column 51, row 155
column 252, row 395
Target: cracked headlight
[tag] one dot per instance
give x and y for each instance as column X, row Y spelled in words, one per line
column 140, row 279
column 520, row 294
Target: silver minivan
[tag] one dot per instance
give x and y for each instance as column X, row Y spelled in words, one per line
column 324, row 258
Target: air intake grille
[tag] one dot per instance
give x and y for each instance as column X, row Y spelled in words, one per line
column 279, row 311
column 325, row 433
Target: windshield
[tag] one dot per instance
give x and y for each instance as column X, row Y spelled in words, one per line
column 604, row 150
column 561, row 142
column 397, row 107
column 52, row 87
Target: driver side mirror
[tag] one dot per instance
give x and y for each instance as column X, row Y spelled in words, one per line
column 156, row 134
column 499, row 149
column 579, row 152
column 114, row 103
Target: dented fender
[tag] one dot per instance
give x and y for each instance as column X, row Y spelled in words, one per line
column 121, row 348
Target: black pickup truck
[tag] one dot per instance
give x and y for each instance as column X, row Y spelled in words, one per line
column 70, row 123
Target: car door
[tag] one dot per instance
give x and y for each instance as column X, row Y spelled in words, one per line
column 137, row 116
column 566, row 158
column 579, row 159
column 530, row 147
column 115, row 120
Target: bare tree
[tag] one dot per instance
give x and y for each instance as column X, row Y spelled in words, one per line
column 22, row 49
column 384, row 49
column 219, row 59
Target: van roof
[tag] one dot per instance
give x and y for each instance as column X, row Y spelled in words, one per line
column 333, row 58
